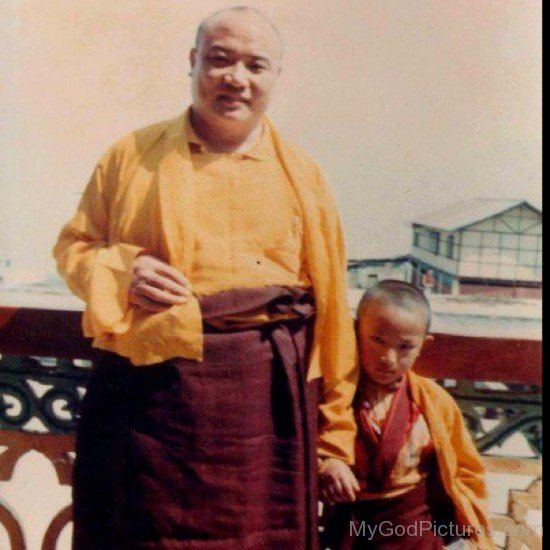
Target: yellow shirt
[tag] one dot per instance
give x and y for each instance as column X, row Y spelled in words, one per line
column 143, row 195
column 249, row 223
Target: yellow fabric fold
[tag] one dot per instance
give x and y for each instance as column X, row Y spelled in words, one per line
column 148, row 175
column 460, row 466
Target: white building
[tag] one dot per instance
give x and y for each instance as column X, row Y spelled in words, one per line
column 481, row 246
column 366, row 273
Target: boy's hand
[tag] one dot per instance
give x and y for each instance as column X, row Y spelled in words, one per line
column 338, row 483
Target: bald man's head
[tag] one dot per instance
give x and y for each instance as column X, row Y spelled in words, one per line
column 234, row 67
column 255, row 17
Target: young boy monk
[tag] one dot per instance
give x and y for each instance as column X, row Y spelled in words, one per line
column 418, row 480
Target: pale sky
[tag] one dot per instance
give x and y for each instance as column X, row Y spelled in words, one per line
column 407, row 105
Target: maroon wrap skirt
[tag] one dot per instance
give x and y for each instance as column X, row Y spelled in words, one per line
column 218, row 454
column 405, row 522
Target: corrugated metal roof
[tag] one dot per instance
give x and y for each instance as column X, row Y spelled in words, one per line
column 467, row 212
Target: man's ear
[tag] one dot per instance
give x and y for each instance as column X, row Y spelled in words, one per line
column 193, row 57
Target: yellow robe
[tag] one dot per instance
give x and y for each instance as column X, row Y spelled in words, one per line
column 148, row 175
column 461, row 470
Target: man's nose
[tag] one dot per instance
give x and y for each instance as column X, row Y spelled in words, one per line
column 236, row 75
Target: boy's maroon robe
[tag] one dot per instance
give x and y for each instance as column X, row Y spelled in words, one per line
column 385, row 523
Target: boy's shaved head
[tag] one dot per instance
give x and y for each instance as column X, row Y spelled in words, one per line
column 398, row 293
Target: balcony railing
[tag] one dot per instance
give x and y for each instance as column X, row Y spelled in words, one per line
column 44, row 368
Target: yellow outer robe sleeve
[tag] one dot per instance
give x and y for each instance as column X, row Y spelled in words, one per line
column 460, row 466
column 148, row 175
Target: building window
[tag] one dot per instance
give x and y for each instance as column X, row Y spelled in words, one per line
column 417, row 237
column 450, row 246
column 432, row 242
column 427, row 239
column 372, row 280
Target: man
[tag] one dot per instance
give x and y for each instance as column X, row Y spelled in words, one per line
column 428, row 281
column 209, row 255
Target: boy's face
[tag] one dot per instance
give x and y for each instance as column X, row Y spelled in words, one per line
column 390, row 339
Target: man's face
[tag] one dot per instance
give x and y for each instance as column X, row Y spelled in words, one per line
column 234, row 69
column 390, row 339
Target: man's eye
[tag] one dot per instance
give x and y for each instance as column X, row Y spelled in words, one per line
column 257, row 68
column 218, row 60
column 406, row 347
column 376, row 339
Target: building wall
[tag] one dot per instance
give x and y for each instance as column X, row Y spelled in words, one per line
column 437, row 242
column 368, row 275
column 439, row 262
column 501, row 291
column 508, row 246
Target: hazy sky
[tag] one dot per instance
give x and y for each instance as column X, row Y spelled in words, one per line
column 407, row 105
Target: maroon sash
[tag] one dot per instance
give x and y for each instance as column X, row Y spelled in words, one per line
column 399, row 523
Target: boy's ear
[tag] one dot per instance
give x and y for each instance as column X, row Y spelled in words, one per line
column 429, row 339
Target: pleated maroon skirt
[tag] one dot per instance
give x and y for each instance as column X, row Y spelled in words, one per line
column 218, row 454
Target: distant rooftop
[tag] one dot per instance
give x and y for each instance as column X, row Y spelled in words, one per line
column 461, row 214
column 354, row 263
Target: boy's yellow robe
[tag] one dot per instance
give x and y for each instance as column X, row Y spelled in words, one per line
column 141, row 198
column 460, row 467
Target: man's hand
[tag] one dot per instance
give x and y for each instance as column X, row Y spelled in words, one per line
column 156, row 285
column 338, row 482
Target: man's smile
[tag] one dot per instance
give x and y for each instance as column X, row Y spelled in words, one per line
column 231, row 100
